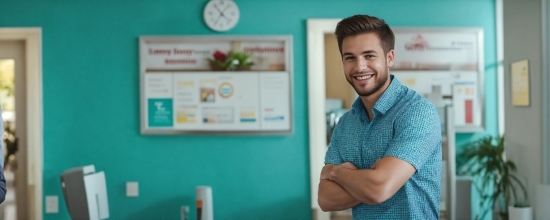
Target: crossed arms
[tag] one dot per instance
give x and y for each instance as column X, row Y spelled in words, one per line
column 344, row 186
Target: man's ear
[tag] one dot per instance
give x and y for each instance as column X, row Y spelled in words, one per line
column 389, row 58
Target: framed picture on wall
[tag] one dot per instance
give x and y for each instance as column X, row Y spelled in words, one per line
column 448, row 62
column 216, row 85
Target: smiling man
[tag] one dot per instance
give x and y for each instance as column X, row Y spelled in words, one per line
column 384, row 159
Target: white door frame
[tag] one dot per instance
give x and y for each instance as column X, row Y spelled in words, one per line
column 545, row 93
column 316, row 30
column 32, row 38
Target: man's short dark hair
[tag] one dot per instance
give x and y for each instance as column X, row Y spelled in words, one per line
column 360, row 24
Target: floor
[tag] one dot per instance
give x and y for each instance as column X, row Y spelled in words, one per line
column 7, row 208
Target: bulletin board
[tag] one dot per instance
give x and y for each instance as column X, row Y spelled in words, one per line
column 450, row 60
column 187, row 88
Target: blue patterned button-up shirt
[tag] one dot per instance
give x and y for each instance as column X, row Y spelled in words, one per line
column 406, row 126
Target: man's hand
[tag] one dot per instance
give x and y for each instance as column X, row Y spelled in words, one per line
column 328, row 170
column 348, row 165
column 325, row 172
column 332, row 197
column 375, row 185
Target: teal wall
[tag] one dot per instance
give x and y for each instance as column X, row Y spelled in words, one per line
column 91, row 101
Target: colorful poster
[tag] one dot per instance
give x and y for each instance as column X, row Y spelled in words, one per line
column 160, row 113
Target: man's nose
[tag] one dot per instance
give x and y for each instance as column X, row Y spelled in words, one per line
column 361, row 65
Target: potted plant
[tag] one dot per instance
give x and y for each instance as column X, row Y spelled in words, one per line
column 231, row 61
column 521, row 210
column 486, row 160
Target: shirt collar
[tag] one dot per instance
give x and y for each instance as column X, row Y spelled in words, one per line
column 389, row 97
column 386, row 100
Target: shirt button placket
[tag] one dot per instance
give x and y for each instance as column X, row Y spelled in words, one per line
column 364, row 150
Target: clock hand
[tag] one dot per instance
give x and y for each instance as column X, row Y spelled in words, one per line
column 216, row 22
column 226, row 18
column 216, row 6
column 226, row 7
column 223, row 13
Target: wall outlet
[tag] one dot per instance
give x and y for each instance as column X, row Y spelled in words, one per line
column 184, row 212
column 132, row 189
column 52, row 204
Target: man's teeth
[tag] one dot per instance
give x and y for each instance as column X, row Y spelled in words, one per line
column 363, row 77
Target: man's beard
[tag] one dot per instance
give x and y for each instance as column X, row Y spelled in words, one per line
column 378, row 84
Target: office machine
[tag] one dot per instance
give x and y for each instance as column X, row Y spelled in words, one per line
column 85, row 193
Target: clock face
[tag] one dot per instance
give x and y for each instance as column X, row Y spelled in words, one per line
column 221, row 15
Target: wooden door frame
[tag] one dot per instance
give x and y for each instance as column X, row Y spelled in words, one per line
column 32, row 38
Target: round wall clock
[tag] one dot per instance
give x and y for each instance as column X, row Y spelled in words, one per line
column 221, row 15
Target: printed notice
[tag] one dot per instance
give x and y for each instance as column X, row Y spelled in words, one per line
column 217, row 101
column 158, row 92
column 160, row 113
column 520, row 83
column 465, row 100
column 274, row 101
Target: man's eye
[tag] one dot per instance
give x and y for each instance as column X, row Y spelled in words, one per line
column 369, row 56
column 348, row 58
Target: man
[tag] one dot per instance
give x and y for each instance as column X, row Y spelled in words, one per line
column 384, row 159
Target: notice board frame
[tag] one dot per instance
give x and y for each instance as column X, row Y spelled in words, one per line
column 146, row 41
column 416, row 40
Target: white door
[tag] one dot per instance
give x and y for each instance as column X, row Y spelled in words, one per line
column 15, row 50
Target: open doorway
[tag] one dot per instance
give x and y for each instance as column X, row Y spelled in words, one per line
column 317, row 29
column 20, row 53
column 12, row 99
column 339, row 96
column 7, row 100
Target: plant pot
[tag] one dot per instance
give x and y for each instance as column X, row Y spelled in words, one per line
column 520, row 213
column 214, row 66
column 242, row 68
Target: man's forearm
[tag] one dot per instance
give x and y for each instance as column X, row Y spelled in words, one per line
column 333, row 197
column 354, row 182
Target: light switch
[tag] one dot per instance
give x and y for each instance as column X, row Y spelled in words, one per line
column 52, row 204
column 132, row 189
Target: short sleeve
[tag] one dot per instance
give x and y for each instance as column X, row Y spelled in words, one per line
column 417, row 134
column 333, row 153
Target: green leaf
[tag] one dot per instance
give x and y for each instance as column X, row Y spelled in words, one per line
column 484, row 158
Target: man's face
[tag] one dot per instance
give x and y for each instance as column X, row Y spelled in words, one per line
column 365, row 64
